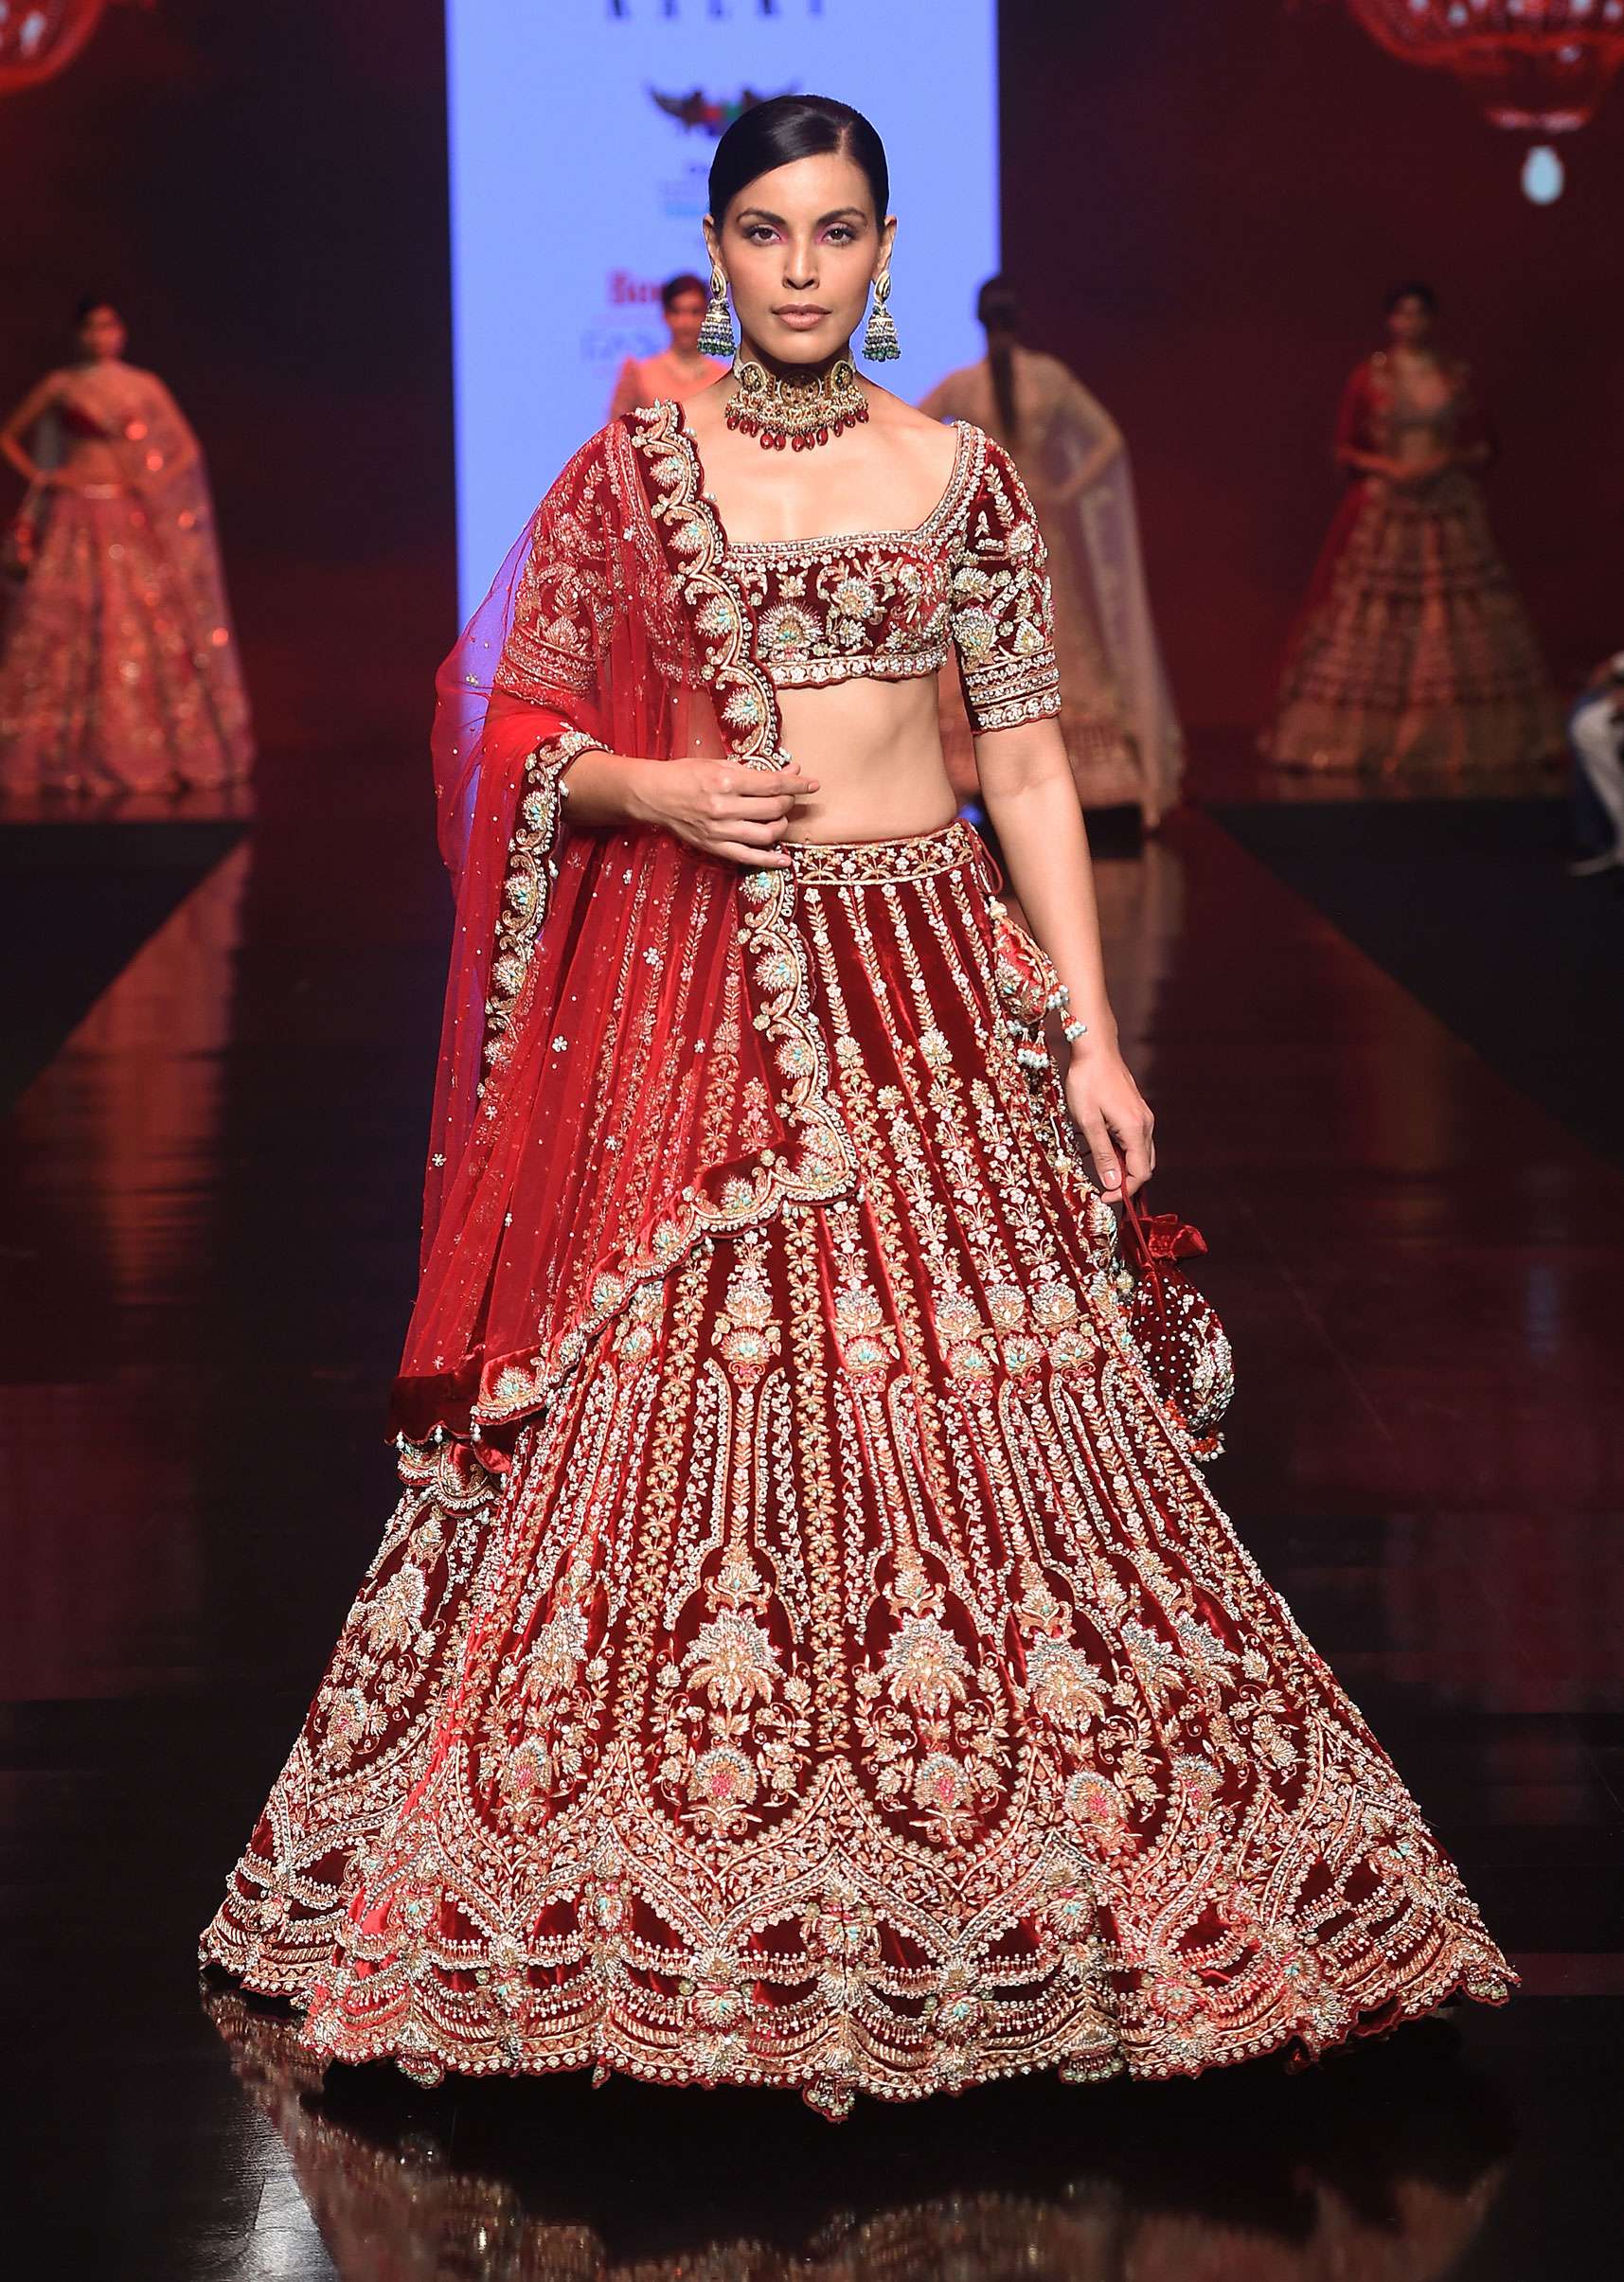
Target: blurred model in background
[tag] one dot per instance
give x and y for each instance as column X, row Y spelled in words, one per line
column 1413, row 654
column 118, row 672
column 678, row 372
column 1116, row 712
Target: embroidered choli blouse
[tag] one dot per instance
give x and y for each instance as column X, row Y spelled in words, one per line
column 889, row 604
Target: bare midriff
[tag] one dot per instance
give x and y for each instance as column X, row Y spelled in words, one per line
column 90, row 464
column 1421, row 417
column 875, row 749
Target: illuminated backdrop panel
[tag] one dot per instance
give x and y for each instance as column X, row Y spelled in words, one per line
column 582, row 133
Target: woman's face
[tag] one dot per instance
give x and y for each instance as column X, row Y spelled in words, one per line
column 801, row 246
column 685, row 316
column 101, row 337
column 1409, row 321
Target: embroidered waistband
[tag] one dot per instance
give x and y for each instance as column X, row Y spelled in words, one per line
column 874, row 862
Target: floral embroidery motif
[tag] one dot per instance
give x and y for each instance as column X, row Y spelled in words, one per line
column 793, row 612
column 834, row 607
column 851, row 1683
column 563, row 610
column 1002, row 610
column 527, row 886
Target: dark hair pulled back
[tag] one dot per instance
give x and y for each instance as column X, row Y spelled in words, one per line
column 785, row 128
column 1413, row 289
column 998, row 309
column 675, row 288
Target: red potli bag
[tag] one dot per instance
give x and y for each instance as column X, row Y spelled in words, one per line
column 1175, row 1329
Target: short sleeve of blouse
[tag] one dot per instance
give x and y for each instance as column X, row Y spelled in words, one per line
column 1002, row 612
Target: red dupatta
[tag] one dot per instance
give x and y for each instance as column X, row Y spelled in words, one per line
column 628, row 1063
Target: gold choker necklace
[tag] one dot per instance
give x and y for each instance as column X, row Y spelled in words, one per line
column 802, row 413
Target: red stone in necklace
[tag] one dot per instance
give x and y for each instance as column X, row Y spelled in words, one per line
column 803, row 414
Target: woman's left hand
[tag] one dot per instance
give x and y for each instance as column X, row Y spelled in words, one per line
column 1113, row 1119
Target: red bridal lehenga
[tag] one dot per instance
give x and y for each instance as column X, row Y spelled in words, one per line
column 1413, row 656
column 806, row 1651
column 119, row 670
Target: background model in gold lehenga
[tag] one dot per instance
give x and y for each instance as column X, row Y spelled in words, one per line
column 676, row 373
column 1116, row 712
column 1413, row 656
column 118, row 672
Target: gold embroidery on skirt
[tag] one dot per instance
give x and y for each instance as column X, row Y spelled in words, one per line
column 852, row 1683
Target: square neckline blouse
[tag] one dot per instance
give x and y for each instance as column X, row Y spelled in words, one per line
column 838, row 606
column 965, row 434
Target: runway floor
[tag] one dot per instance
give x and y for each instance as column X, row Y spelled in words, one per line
column 208, row 1183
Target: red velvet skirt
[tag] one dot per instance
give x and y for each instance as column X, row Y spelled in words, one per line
column 851, row 1683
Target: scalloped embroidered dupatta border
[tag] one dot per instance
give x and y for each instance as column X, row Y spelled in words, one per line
column 743, row 1192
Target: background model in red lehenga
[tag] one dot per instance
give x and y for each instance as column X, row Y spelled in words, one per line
column 678, row 372
column 119, row 670
column 1413, row 656
column 1117, row 713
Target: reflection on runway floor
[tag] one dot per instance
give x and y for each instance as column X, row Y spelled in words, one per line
column 208, row 1207
column 1379, row 2168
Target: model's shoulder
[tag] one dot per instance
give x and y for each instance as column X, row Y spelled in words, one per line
column 649, row 446
column 979, row 446
column 659, row 420
column 932, row 445
column 898, row 417
column 606, row 446
column 585, row 481
column 151, row 384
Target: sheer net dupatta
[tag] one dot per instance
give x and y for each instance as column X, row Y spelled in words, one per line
column 629, row 1062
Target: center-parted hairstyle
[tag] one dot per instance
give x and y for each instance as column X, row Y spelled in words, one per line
column 785, row 128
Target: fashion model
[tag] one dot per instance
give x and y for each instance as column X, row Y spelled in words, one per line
column 678, row 372
column 806, row 1651
column 118, row 668
column 1117, row 713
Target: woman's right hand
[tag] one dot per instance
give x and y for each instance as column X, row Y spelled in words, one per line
column 720, row 808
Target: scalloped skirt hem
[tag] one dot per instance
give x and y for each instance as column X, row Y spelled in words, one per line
column 832, row 2092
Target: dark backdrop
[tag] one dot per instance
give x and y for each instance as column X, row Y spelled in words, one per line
column 1204, row 204
column 262, row 191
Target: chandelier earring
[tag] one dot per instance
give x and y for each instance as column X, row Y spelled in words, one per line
column 879, row 343
column 716, row 334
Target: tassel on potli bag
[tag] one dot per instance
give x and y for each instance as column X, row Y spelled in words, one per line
column 1176, row 1329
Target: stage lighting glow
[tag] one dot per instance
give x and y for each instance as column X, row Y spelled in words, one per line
column 1543, row 175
